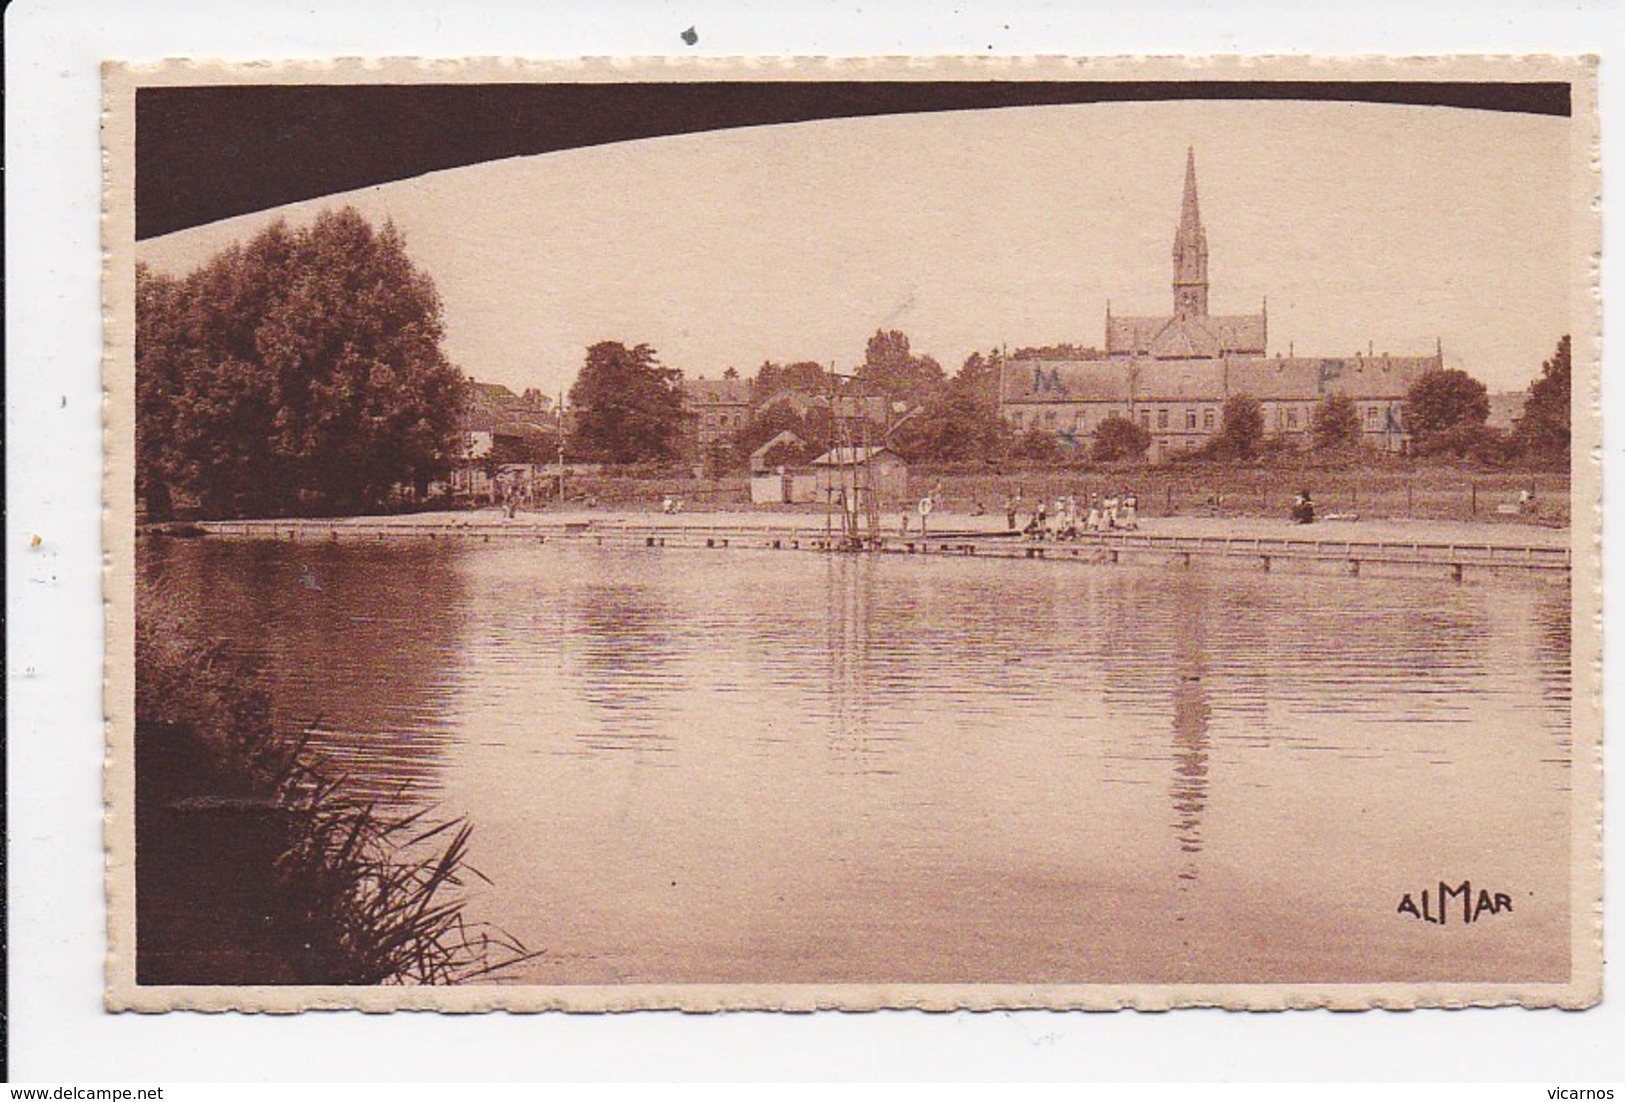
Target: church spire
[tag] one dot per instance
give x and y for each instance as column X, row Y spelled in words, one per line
column 1190, row 249
column 1190, row 213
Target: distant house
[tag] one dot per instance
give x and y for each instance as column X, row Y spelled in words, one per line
column 502, row 428
column 860, row 467
column 715, row 411
column 1506, row 408
column 778, row 473
column 784, row 449
column 796, row 401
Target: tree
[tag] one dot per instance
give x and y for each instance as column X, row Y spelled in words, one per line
column 803, row 375
column 980, row 375
column 1241, row 428
column 1469, row 440
column 630, row 408
column 767, row 424
column 1440, row 401
column 959, row 421
column 1541, row 432
column 952, row 427
column 1037, row 444
column 1335, row 423
column 163, row 357
column 299, row 373
column 890, row 368
column 1064, row 351
column 1118, row 438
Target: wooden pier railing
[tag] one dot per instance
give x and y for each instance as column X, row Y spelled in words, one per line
column 1264, row 552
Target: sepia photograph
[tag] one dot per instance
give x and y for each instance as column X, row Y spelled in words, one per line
column 791, row 535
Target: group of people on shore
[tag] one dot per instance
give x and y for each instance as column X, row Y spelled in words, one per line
column 1067, row 520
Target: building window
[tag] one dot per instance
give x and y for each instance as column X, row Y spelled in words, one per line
column 1145, row 420
column 1190, row 420
column 1049, row 419
column 1291, row 418
column 1162, row 419
column 1209, row 418
column 1371, row 418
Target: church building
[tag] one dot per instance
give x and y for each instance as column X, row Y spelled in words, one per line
column 1172, row 373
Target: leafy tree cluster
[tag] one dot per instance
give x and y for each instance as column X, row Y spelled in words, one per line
column 1542, row 433
column 629, row 407
column 803, row 375
column 1118, row 439
column 1241, row 430
column 890, row 368
column 1442, row 404
column 1335, row 424
column 815, row 427
column 1063, row 351
column 1446, row 412
column 959, row 420
column 301, row 372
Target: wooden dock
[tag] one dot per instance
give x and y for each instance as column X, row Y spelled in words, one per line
column 1450, row 559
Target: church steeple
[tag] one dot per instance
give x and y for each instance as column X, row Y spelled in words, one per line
column 1190, row 250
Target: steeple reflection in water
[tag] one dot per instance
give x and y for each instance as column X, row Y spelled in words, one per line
column 1191, row 712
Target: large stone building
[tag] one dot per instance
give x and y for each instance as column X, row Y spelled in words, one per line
column 1172, row 373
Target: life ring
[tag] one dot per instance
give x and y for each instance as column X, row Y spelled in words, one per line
column 926, row 505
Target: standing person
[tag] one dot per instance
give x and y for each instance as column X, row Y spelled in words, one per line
column 1041, row 519
column 902, row 519
column 1011, row 504
column 1110, row 512
column 1131, row 510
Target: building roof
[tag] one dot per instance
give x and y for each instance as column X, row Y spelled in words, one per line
column 490, row 405
column 719, row 392
column 525, row 429
column 848, row 457
column 783, row 436
column 492, row 392
column 1187, row 336
column 1065, row 381
column 1301, row 378
column 1179, row 380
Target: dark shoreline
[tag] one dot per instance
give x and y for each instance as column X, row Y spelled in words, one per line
column 254, row 866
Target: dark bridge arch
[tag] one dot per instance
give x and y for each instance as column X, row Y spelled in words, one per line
column 206, row 153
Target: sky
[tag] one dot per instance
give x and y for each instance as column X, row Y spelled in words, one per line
column 1366, row 227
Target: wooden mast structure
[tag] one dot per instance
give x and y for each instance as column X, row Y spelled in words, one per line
column 854, row 473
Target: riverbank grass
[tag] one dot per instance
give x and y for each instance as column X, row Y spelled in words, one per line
column 255, row 866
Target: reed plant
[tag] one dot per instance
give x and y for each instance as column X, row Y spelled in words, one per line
column 342, row 891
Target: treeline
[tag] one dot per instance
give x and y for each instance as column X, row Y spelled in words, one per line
column 633, row 412
column 300, row 373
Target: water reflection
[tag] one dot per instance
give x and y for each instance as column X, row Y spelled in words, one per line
column 697, row 766
column 626, row 641
column 1191, row 712
column 361, row 644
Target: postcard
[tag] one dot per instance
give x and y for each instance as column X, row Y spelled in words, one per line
column 789, row 534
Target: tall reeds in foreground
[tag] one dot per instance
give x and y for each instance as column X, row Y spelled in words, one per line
column 255, row 865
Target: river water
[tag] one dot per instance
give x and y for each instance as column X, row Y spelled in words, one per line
column 756, row 766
